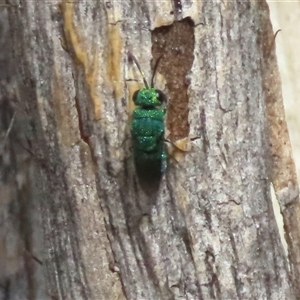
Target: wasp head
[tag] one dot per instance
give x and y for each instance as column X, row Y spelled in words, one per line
column 148, row 97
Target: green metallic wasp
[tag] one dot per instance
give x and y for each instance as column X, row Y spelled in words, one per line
column 147, row 128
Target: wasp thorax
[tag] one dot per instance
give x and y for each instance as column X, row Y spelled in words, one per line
column 147, row 97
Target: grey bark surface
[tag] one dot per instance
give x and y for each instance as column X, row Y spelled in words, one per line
column 206, row 230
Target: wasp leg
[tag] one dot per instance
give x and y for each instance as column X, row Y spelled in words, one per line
column 177, row 148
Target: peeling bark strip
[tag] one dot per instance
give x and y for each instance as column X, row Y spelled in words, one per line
column 207, row 231
column 283, row 171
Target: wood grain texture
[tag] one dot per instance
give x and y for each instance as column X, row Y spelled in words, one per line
column 206, row 230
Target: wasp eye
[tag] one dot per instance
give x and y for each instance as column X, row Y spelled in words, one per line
column 160, row 96
column 134, row 96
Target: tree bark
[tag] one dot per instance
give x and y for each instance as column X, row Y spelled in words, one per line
column 205, row 229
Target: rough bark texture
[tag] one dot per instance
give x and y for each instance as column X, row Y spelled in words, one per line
column 206, row 229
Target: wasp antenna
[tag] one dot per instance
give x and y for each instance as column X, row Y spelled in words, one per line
column 139, row 67
column 154, row 71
